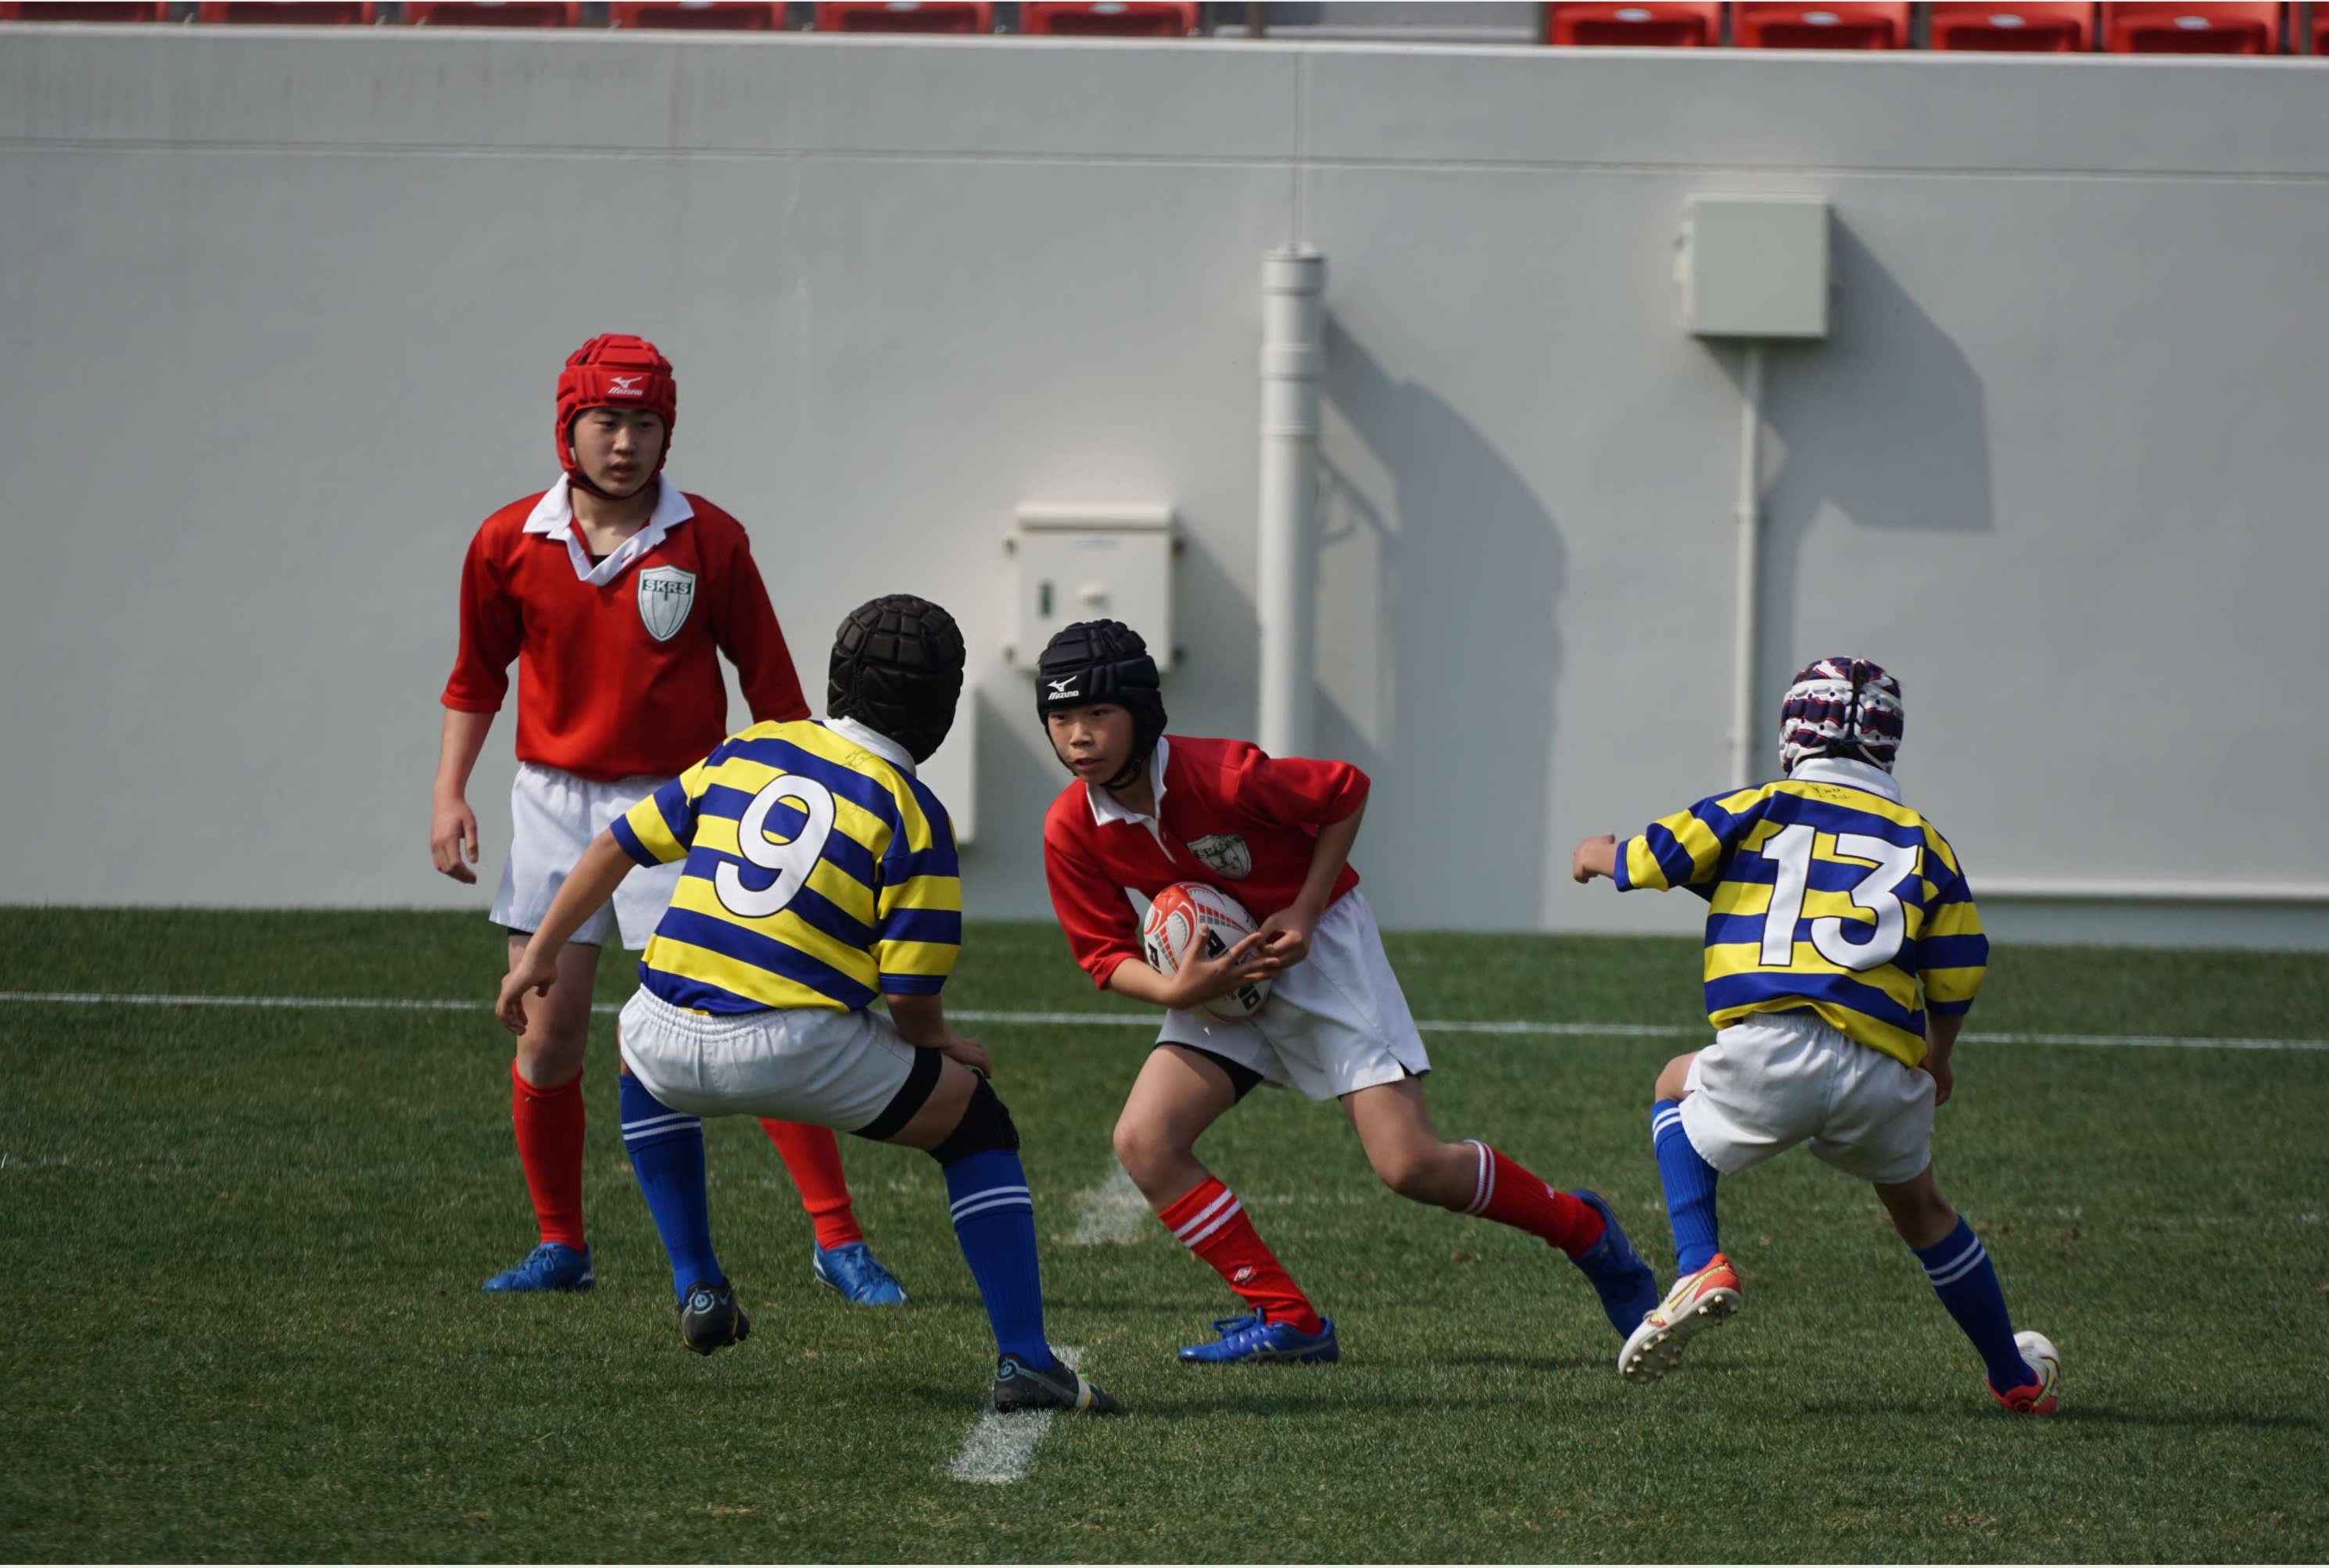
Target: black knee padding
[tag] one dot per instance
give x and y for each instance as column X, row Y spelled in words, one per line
column 985, row 1125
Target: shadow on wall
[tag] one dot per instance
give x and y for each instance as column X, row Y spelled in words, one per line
column 1471, row 570
column 1885, row 423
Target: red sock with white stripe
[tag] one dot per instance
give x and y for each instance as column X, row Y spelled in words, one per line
column 1210, row 1222
column 549, row 1125
column 812, row 1156
column 1509, row 1193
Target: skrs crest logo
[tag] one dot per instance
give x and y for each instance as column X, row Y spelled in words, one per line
column 665, row 595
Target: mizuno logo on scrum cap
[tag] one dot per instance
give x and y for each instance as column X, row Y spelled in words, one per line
column 626, row 386
column 1060, row 687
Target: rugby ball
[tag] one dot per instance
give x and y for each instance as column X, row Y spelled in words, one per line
column 1189, row 917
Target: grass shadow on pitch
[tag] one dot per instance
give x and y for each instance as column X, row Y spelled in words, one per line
column 2071, row 1414
column 1250, row 1397
column 2194, row 1420
column 1520, row 1363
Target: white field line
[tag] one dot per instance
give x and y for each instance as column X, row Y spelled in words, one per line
column 1113, row 1213
column 1147, row 1021
column 1000, row 1447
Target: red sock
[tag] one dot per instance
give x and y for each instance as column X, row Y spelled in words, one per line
column 1210, row 1222
column 549, row 1123
column 812, row 1156
column 1509, row 1193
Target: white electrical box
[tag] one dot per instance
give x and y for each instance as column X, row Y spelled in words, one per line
column 1754, row 267
column 952, row 770
column 1092, row 563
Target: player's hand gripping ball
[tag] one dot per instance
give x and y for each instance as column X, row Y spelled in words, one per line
column 1188, row 918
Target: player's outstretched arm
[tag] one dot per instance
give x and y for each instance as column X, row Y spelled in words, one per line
column 1595, row 856
column 452, row 825
column 593, row 882
column 1201, row 979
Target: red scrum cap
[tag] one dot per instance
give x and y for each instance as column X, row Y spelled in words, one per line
column 613, row 370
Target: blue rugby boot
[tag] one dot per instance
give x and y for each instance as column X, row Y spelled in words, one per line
column 1627, row 1288
column 853, row 1269
column 552, row 1266
column 1250, row 1338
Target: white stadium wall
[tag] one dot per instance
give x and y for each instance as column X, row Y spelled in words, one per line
column 281, row 310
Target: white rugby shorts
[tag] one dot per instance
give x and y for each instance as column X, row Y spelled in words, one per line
column 820, row 1064
column 1335, row 1023
column 1775, row 1080
column 553, row 817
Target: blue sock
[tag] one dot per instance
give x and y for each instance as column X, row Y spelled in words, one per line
column 994, row 1221
column 1962, row 1276
column 1690, row 1189
column 666, row 1150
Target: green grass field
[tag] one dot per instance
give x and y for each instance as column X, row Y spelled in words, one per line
column 238, row 1314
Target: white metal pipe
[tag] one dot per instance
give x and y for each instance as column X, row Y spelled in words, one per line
column 2084, row 889
column 1292, row 357
column 1746, row 518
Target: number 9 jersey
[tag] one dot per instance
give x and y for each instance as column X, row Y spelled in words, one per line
column 1826, row 893
column 820, row 873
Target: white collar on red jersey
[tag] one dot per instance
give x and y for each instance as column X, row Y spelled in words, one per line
column 873, row 740
column 1107, row 808
column 553, row 517
column 1851, row 771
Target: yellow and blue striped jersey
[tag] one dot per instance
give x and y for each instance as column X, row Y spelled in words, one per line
column 820, row 874
column 1825, row 892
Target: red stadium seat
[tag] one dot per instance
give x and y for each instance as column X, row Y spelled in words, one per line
column 287, row 13
column 2178, row 27
column 1651, row 26
column 2320, row 27
column 1110, row 18
column 1762, row 27
column 494, row 13
column 904, row 17
column 84, row 10
column 2013, row 25
column 721, row 16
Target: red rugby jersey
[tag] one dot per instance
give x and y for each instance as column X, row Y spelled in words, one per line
column 619, row 679
column 1229, row 814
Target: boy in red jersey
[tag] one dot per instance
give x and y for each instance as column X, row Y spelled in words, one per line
column 1148, row 810
column 616, row 592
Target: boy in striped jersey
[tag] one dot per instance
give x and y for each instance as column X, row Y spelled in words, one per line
column 1842, row 951
column 818, row 874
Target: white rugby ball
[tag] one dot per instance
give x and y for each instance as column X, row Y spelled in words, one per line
column 1189, row 917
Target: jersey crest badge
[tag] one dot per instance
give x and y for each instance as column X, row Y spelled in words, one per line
column 665, row 595
column 1224, row 853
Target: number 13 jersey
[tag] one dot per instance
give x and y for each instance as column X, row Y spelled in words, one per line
column 820, row 873
column 1825, row 892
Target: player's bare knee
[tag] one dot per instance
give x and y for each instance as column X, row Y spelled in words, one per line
column 547, row 1057
column 1146, row 1148
column 1674, row 1078
column 1918, row 1209
column 1409, row 1169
